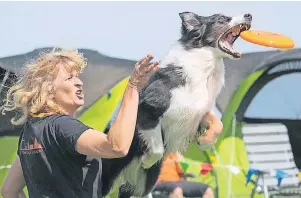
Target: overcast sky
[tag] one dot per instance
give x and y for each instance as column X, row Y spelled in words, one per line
column 128, row 29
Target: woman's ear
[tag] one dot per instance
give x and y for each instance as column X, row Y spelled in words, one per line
column 51, row 96
column 50, row 90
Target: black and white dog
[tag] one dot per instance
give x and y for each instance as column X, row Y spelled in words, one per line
column 175, row 100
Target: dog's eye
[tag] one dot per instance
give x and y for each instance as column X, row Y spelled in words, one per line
column 224, row 19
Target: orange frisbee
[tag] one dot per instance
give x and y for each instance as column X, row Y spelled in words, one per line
column 268, row 39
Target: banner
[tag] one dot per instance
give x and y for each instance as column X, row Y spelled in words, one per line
column 184, row 166
column 278, row 174
column 205, row 168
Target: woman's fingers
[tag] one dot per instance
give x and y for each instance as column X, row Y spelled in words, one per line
column 143, row 70
column 153, row 67
column 144, row 62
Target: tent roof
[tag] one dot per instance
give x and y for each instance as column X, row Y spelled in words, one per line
column 238, row 70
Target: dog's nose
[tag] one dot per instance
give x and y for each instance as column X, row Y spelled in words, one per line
column 248, row 16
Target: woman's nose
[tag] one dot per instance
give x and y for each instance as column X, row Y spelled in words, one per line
column 78, row 82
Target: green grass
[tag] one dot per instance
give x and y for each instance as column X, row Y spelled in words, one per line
column 7, row 154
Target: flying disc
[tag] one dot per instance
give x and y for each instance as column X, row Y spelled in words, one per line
column 268, row 39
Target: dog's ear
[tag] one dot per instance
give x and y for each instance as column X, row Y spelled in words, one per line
column 189, row 20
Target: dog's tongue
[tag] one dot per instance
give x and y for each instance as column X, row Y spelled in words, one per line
column 229, row 38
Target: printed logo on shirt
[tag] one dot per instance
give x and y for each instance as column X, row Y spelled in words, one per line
column 28, row 148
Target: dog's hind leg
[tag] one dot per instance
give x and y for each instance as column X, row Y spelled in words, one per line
column 154, row 102
column 155, row 146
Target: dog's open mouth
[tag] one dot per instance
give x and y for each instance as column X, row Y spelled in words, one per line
column 227, row 40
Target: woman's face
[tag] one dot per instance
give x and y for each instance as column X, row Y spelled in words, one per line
column 68, row 91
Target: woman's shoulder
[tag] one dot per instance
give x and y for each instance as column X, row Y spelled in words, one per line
column 59, row 117
column 65, row 122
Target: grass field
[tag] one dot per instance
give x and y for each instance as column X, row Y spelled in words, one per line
column 8, row 147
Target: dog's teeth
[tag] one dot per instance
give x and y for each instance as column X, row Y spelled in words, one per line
column 235, row 30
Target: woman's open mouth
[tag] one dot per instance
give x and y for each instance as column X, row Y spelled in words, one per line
column 80, row 94
column 227, row 40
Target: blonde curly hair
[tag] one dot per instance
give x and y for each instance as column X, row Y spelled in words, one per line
column 30, row 94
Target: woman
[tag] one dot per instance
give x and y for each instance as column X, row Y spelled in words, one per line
column 58, row 156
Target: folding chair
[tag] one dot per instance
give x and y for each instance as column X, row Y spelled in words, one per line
column 268, row 148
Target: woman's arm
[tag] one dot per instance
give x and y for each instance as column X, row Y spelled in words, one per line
column 14, row 182
column 120, row 136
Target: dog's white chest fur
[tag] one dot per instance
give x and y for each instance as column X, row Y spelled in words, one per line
column 205, row 78
column 188, row 104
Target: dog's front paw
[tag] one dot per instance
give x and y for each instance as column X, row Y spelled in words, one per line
column 203, row 127
column 208, row 132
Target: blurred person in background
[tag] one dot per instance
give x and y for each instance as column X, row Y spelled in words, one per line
column 58, row 156
column 172, row 180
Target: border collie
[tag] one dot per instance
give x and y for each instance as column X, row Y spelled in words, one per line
column 176, row 98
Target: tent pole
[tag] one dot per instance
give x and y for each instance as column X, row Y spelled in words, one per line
column 233, row 129
column 4, row 80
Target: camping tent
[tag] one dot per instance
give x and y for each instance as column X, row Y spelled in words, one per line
column 245, row 80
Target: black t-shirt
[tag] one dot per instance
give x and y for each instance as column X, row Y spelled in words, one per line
column 51, row 165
